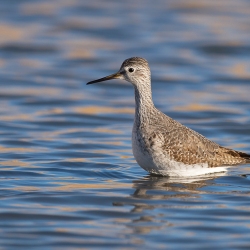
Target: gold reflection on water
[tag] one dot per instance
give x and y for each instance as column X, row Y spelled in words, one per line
column 62, row 230
column 99, row 110
column 112, row 150
column 145, row 229
column 76, row 160
column 46, row 91
column 31, row 63
column 192, row 4
column 115, row 143
column 15, row 117
column 76, row 48
column 49, row 135
column 49, row 7
column 87, row 22
column 126, row 156
column 122, row 220
column 10, row 33
column 4, row 149
column 73, row 186
column 78, row 53
column 50, row 111
column 43, row 8
column 218, row 93
column 26, row 188
column 239, row 146
column 199, row 107
column 107, row 131
column 15, row 163
column 68, row 209
column 2, row 63
column 69, row 187
column 231, row 91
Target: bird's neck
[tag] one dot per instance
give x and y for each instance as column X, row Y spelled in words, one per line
column 143, row 102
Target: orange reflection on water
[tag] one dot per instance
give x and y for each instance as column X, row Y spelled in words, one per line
column 44, row 8
column 37, row 91
column 76, row 160
column 69, row 187
column 240, row 70
column 99, row 110
column 26, row 188
column 15, row 163
column 107, row 131
column 5, row 150
column 14, row 117
column 10, row 33
column 202, row 107
column 73, row 186
column 31, row 63
column 76, row 48
column 50, row 111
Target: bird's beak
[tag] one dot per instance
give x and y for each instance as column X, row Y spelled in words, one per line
column 117, row 75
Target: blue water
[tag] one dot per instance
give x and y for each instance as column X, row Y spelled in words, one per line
column 68, row 176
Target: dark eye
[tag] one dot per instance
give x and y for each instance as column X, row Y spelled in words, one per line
column 131, row 70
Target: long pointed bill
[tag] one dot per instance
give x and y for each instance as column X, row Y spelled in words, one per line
column 117, row 75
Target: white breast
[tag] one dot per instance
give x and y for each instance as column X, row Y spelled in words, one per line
column 141, row 155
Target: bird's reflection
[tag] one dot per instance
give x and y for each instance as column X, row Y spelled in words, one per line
column 156, row 200
column 174, row 186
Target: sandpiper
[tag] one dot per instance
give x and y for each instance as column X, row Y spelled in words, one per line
column 162, row 145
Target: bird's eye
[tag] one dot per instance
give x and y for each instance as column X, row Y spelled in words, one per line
column 131, row 70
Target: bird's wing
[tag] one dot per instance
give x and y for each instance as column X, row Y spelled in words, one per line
column 185, row 145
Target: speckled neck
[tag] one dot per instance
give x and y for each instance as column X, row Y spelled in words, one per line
column 144, row 105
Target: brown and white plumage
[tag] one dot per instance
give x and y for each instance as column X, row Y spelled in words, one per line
column 162, row 145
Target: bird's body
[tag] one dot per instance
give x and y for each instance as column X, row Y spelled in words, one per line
column 162, row 145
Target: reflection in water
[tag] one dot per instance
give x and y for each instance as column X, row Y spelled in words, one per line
column 158, row 198
column 182, row 187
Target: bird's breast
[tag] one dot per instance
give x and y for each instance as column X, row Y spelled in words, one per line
column 140, row 149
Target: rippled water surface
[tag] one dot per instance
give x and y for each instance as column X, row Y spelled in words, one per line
column 68, row 176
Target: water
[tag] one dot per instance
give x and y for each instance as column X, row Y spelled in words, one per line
column 68, row 176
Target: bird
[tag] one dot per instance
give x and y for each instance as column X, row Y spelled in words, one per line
column 162, row 145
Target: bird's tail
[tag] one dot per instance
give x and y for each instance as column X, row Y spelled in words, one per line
column 238, row 154
column 245, row 156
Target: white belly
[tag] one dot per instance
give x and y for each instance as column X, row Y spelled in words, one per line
column 157, row 162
